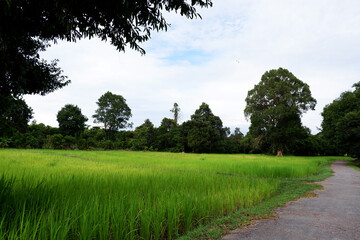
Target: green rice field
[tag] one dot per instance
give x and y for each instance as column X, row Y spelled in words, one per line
column 53, row 194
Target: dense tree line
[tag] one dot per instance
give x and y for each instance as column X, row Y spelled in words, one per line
column 203, row 133
column 200, row 136
column 341, row 124
column 274, row 107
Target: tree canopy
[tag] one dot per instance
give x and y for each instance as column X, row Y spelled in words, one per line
column 204, row 132
column 144, row 136
column 113, row 112
column 71, row 120
column 275, row 106
column 341, row 123
column 27, row 27
column 14, row 115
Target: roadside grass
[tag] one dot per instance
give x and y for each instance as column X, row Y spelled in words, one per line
column 48, row 194
column 355, row 164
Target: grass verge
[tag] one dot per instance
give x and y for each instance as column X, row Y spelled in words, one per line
column 290, row 190
column 355, row 164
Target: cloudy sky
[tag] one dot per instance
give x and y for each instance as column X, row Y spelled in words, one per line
column 216, row 60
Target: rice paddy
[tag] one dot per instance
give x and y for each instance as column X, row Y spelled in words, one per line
column 49, row 194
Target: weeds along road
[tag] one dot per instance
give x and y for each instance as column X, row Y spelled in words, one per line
column 334, row 214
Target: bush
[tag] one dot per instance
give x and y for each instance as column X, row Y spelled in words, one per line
column 4, row 142
column 69, row 142
column 32, row 142
column 57, row 141
column 106, row 144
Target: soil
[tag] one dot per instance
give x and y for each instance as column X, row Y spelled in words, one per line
column 333, row 214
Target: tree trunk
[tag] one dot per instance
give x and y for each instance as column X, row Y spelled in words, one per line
column 280, row 153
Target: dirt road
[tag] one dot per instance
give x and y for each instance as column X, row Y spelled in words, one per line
column 334, row 214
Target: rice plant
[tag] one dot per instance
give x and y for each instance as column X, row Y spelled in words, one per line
column 47, row 194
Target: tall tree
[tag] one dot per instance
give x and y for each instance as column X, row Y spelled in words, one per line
column 275, row 106
column 204, row 132
column 113, row 112
column 341, row 123
column 71, row 120
column 176, row 111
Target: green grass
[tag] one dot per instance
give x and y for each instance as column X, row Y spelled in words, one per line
column 355, row 164
column 48, row 194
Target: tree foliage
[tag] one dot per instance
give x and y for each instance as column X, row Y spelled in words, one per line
column 27, row 27
column 204, row 132
column 14, row 115
column 71, row 120
column 233, row 143
column 176, row 111
column 144, row 136
column 168, row 136
column 341, row 124
column 113, row 112
column 275, row 106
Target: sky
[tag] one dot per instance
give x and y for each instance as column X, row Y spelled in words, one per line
column 216, row 59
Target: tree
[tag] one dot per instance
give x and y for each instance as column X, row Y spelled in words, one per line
column 168, row 136
column 113, row 112
column 341, row 124
column 167, row 125
column 204, row 132
column 238, row 133
column 14, row 115
column 40, row 133
column 71, row 120
column 310, row 145
column 275, row 106
column 164, row 138
column 176, row 111
column 233, row 142
column 144, row 136
column 57, row 141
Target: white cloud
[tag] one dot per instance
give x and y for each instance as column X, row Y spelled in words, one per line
column 215, row 60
